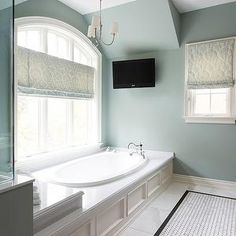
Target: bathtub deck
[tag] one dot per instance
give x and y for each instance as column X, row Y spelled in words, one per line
column 94, row 196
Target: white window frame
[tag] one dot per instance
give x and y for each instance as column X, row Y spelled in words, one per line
column 229, row 118
column 85, row 43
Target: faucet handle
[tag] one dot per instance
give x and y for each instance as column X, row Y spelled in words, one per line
column 141, row 146
column 142, row 153
column 132, row 144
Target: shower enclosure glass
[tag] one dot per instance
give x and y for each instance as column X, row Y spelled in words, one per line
column 6, row 90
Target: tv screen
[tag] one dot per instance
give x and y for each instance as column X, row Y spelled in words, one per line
column 134, row 73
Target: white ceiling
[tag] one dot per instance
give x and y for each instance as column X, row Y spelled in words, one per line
column 192, row 5
column 88, row 6
column 82, row 6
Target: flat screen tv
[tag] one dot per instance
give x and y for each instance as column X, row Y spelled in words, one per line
column 134, row 73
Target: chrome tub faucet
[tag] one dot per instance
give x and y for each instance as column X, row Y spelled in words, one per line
column 137, row 148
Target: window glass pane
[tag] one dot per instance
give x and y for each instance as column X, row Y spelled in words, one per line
column 52, row 44
column 21, row 39
column 58, row 46
column 27, row 125
column 57, row 122
column 63, row 48
column 84, row 59
column 221, row 90
column 76, row 55
column 33, row 40
column 202, row 104
column 81, row 122
column 202, row 91
column 211, row 101
column 218, row 103
column 81, row 57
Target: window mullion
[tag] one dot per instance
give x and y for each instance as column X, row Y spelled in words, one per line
column 230, row 102
column 69, row 122
column 43, row 137
column 40, row 125
column 233, row 103
column 72, row 56
column 45, row 121
column 89, row 123
column 192, row 102
column 44, row 40
column 72, row 123
column 210, row 101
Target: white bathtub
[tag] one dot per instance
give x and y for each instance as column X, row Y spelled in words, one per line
column 96, row 169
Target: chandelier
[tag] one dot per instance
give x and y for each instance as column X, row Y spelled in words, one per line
column 95, row 29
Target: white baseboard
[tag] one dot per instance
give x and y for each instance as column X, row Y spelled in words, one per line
column 214, row 183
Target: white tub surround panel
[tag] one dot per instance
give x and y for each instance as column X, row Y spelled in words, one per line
column 56, row 211
column 84, row 230
column 136, row 198
column 108, row 208
column 111, row 217
column 153, row 183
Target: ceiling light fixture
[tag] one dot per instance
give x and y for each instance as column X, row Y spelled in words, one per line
column 95, row 29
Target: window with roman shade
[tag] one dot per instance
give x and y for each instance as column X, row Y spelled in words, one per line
column 45, row 75
column 211, row 64
column 57, row 72
column 210, row 81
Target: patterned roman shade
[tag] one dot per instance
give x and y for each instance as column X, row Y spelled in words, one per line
column 211, row 64
column 44, row 75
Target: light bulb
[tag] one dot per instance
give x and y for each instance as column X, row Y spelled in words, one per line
column 96, row 22
column 115, row 28
column 91, row 31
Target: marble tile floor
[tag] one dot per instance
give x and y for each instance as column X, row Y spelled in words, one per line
column 148, row 222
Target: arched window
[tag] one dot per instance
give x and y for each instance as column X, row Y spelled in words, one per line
column 47, row 122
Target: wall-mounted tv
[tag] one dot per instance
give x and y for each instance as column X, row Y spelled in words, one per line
column 134, row 73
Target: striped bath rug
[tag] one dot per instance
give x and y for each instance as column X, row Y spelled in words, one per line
column 201, row 214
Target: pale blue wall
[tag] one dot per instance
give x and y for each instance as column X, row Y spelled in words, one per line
column 155, row 115
column 53, row 9
column 144, row 26
column 176, row 20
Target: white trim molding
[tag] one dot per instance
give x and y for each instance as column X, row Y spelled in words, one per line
column 213, row 183
column 210, row 120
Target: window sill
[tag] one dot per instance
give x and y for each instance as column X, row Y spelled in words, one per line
column 45, row 160
column 210, row 120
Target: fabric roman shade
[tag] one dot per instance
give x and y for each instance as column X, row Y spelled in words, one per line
column 211, row 64
column 44, row 75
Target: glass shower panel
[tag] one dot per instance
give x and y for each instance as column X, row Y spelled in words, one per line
column 6, row 89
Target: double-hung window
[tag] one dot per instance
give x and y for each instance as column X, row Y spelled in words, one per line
column 55, row 120
column 210, row 82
